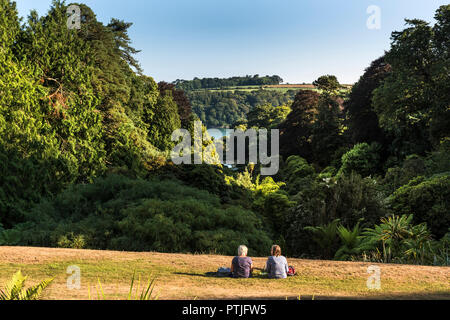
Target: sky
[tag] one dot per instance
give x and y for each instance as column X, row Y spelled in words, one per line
column 299, row 40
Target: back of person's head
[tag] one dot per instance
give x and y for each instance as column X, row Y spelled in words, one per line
column 242, row 251
column 275, row 251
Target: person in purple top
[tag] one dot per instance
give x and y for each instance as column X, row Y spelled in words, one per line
column 242, row 266
column 277, row 266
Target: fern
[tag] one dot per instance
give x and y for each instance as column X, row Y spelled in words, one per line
column 351, row 241
column 15, row 288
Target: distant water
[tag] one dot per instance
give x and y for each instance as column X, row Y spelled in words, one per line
column 218, row 133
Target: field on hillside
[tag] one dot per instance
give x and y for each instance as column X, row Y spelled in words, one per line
column 181, row 276
column 279, row 88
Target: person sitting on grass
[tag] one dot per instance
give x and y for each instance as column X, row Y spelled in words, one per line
column 277, row 266
column 242, row 266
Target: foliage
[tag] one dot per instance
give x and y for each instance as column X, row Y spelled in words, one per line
column 412, row 102
column 267, row 116
column 223, row 109
column 399, row 240
column 146, row 293
column 362, row 119
column 328, row 83
column 15, row 289
column 210, row 83
column 125, row 214
column 296, row 130
column 351, row 241
column 326, row 237
column 363, row 159
column 327, row 130
column 427, row 200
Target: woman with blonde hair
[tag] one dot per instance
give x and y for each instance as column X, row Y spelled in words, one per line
column 276, row 265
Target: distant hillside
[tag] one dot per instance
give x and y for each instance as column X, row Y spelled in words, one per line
column 215, row 83
column 223, row 108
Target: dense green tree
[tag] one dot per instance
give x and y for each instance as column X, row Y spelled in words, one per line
column 363, row 159
column 183, row 103
column 296, row 130
column 361, row 118
column 412, row 102
column 427, row 200
column 328, row 83
column 327, row 130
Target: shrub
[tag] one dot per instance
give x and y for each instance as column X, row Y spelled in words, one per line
column 363, row 159
column 120, row 213
column 428, row 200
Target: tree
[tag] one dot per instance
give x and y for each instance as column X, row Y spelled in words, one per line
column 363, row 159
column 296, row 130
column 328, row 83
column 361, row 117
column 182, row 101
column 164, row 122
column 327, row 130
column 412, row 102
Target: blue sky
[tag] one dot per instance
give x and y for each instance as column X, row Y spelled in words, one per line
column 298, row 40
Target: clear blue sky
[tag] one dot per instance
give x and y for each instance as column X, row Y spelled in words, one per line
column 297, row 39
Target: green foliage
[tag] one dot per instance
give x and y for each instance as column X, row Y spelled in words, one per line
column 427, row 200
column 223, row 109
column 164, row 122
column 399, row 240
column 296, row 130
column 267, row 116
column 210, row 83
column 15, row 289
column 412, row 102
column 147, row 291
column 326, row 237
column 328, row 83
column 297, row 173
column 124, row 214
column 363, row 159
column 327, row 130
column 362, row 119
column 351, row 241
column 72, row 241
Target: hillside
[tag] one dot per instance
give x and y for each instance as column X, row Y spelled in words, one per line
column 181, row 276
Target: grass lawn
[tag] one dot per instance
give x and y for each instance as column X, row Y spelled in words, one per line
column 181, row 276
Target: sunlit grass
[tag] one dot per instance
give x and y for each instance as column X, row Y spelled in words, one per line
column 184, row 277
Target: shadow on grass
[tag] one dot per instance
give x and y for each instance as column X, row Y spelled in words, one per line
column 214, row 275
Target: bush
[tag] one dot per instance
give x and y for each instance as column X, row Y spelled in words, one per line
column 297, row 173
column 413, row 167
column 428, row 200
column 120, row 213
column 349, row 199
column 363, row 159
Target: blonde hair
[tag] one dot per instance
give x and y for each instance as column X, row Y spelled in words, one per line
column 242, row 250
column 275, row 251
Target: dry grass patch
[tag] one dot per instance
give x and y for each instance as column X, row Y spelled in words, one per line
column 182, row 276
